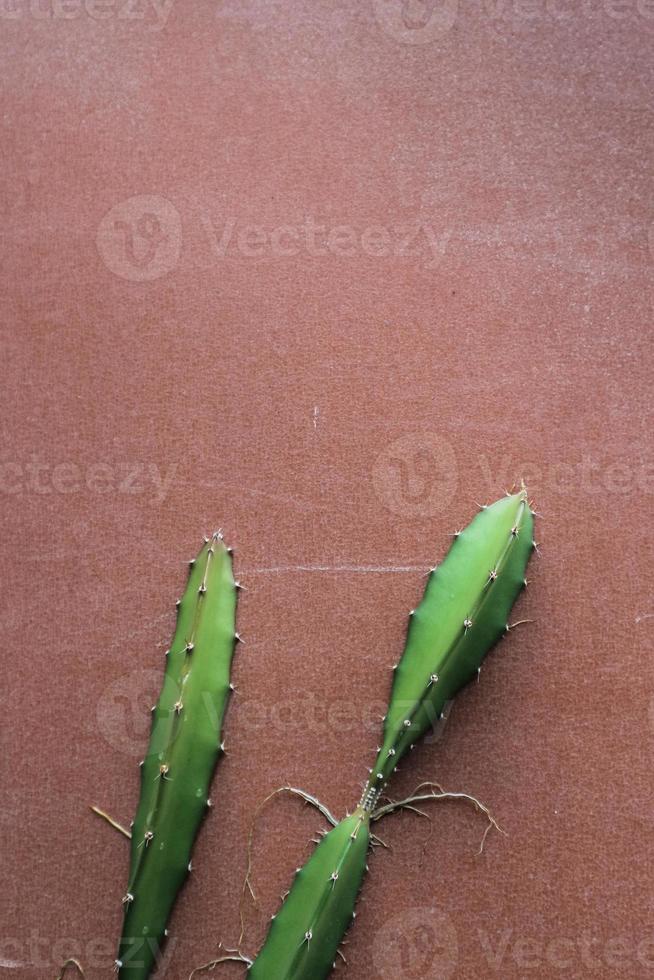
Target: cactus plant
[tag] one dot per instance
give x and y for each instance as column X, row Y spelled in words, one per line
column 185, row 744
column 461, row 616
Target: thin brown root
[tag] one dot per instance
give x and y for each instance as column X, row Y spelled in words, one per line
column 436, row 792
column 234, row 956
column 520, row 622
column 247, row 884
column 66, row 964
column 114, row 823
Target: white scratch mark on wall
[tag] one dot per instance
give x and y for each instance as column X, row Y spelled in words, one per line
column 356, row 569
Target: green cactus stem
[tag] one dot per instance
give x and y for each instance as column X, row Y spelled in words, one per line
column 304, row 936
column 185, row 744
column 462, row 615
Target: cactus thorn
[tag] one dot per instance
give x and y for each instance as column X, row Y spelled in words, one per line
column 239, row 638
column 467, row 623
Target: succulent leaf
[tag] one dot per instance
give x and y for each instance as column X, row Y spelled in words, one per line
column 462, row 615
column 304, row 936
column 185, row 744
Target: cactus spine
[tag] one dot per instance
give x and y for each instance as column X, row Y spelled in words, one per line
column 185, row 744
column 460, row 618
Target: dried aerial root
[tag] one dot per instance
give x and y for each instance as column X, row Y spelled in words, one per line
column 417, row 797
column 114, row 823
column 231, row 956
column 70, row 962
column 247, row 884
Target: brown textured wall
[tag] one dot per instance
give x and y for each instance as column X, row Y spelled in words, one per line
column 325, row 274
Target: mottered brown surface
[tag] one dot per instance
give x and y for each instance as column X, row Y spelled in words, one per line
column 329, row 275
